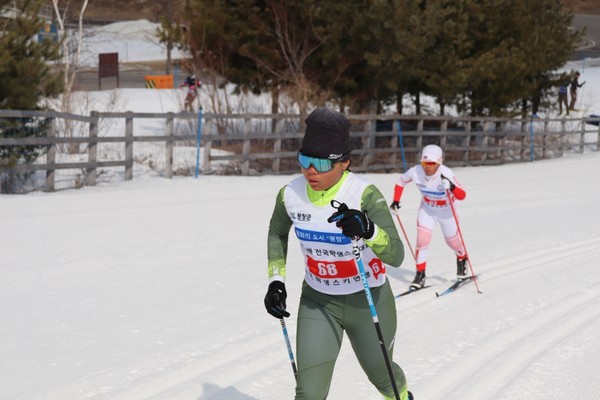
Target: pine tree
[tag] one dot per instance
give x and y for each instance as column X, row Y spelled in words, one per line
column 26, row 77
column 515, row 47
column 25, row 70
column 485, row 57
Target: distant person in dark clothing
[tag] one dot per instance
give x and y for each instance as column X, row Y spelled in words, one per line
column 192, row 84
column 574, row 85
column 563, row 99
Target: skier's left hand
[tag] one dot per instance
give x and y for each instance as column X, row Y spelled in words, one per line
column 448, row 185
column 395, row 206
column 354, row 223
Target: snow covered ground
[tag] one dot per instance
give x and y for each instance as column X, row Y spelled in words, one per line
column 153, row 289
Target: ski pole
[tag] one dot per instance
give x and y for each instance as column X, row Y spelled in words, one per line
column 361, row 270
column 401, row 140
column 198, row 141
column 289, row 348
column 406, row 237
column 462, row 240
column 363, row 277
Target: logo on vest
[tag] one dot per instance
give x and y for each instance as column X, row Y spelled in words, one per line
column 300, row 217
column 356, row 252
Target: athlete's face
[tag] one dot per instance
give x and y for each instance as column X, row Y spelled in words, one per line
column 430, row 167
column 324, row 180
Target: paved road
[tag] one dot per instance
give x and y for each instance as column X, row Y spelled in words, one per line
column 592, row 25
column 88, row 80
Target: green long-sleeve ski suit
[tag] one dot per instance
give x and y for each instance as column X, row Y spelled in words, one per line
column 333, row 300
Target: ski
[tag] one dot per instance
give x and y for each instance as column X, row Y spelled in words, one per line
column 455, row 286
column 409, row 291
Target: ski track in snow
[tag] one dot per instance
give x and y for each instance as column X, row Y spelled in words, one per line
column 482, row 372
column 529, row 335
column 470, row 372
column 501, row 344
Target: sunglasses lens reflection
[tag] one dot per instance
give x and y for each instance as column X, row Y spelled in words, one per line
column 320, row 164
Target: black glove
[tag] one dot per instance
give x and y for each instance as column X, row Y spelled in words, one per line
column 353, row 222
column 448, row 185
column 395, row 206
column 275, row 300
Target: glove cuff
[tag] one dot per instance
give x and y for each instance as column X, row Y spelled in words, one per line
column 277, row 285
column 370, row 229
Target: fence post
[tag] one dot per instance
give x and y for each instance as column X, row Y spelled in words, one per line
column 501, row 130
column 444, row 133
column 277, row 146
column 467, row 145
column 169, row 147
column 92, row 149
column 207, row 146
column 51, row 156
column 484, row 142
column 582, row 137
column 563, row 136
column 544, row 134
column 394, row 143
column 128, row 146
column 246, row 147
column 419, row 140
column 369, row 141
column 198, row 142
column 523, row 141
column 531, row 141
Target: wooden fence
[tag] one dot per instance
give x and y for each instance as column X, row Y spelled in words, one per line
column 254, row 144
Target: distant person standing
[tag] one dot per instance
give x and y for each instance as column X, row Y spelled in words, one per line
column 574, row 86
column 192, row 85
column 563, row 99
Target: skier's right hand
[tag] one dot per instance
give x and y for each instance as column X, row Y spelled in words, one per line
column 395, row 206
column 275, row 300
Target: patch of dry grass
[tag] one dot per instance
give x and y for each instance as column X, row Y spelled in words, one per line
column 584, row 6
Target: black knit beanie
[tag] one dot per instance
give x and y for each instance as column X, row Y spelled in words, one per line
column 327, row 135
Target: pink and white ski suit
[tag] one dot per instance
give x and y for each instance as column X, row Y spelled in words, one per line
column 435, row 207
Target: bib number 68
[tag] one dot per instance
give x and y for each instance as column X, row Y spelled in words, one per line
column 327, row 269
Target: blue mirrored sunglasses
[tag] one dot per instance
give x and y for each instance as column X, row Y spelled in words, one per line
column 320, row 164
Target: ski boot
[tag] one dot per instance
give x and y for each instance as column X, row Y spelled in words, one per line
column 419, row 281
column 461, row 268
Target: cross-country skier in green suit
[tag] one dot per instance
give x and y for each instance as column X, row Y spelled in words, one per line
column 333, row 300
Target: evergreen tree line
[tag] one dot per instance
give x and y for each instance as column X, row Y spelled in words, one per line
column 484, row 57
